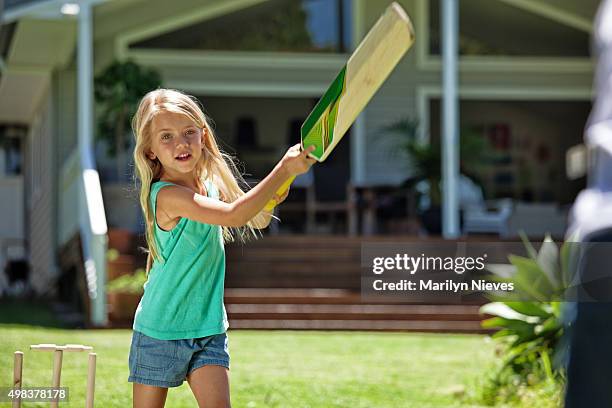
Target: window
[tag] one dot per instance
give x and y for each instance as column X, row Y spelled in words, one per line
column 275, row 25
column 494, row 28
column 11, row 150
column 526, row 144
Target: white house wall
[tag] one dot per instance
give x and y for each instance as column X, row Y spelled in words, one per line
column 67, row 168
column 27, row 96
column 40, row 185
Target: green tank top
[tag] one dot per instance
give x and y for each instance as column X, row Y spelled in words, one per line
column 183, row 296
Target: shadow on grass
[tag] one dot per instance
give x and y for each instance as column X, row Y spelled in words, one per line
column 30, row 312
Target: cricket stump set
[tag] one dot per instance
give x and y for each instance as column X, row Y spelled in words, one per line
column 58, row 354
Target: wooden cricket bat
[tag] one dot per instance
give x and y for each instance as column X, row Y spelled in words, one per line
column 365, row 71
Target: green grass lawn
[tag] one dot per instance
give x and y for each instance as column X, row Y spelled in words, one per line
column 277, row 368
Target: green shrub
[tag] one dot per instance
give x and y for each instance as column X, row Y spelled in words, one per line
column 529, row 332
column 128, row 283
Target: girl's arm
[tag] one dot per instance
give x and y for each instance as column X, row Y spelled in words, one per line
column 262, row 220
column 176, row 201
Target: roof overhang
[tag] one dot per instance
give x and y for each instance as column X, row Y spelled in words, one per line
column 46, row 9
column 37, row 47
column 21, row 90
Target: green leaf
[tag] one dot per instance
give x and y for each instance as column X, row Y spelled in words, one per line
column 518, row 327
column 502, row 333
column 530, row 249
column 530, row 279
column 546, row 364
column 548, row 260
column 503, row 310
column 112, row 254
column 132, row 283
column 556, row 308
column 569, row 257
column 117, row 90
column 502, row 270
column 531, row 309
column 550, row 325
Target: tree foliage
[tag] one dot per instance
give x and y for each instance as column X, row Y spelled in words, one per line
column 118, row 89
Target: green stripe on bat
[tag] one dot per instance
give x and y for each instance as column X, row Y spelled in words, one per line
column 312, row 130
column 331, row 120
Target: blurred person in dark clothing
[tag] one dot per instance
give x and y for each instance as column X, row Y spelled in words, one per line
column 589, row 370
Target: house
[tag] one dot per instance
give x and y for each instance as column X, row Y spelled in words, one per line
column 258, row 66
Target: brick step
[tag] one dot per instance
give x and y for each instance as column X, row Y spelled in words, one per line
column 328, row 309
column 350, row 316
column 309, row 241
column 294, row 255
column 340, row 309
column 353, row 312
column 349, row 325
column 288, row 281
column 326, row 296
column 292, row 295
column 297, row 268
column 293, row 246
column 293, row 275
column 292, row 280
column 335, row 241
column 362, row 325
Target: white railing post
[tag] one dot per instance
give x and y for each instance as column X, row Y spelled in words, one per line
column 92, row 216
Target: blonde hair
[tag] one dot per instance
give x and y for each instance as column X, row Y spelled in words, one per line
column 213, row 165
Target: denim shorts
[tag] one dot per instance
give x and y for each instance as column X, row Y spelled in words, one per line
column 167, row 363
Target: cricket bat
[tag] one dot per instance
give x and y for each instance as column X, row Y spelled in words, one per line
column 365, row 71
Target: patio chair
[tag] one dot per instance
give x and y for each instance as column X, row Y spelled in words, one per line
column 488, row 217
column 480, row 216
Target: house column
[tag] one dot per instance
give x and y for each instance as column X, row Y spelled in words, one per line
column 358, row 131
column 450, row 118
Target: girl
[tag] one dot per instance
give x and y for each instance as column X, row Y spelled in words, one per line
column 192, row 205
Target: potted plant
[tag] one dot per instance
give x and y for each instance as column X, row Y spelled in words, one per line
column 123, row 295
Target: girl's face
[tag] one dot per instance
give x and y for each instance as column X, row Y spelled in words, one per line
column 177, row 142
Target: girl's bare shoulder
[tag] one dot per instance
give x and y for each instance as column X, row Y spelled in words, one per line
column 170, row 193
column 169, row 197
column 175, row 202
